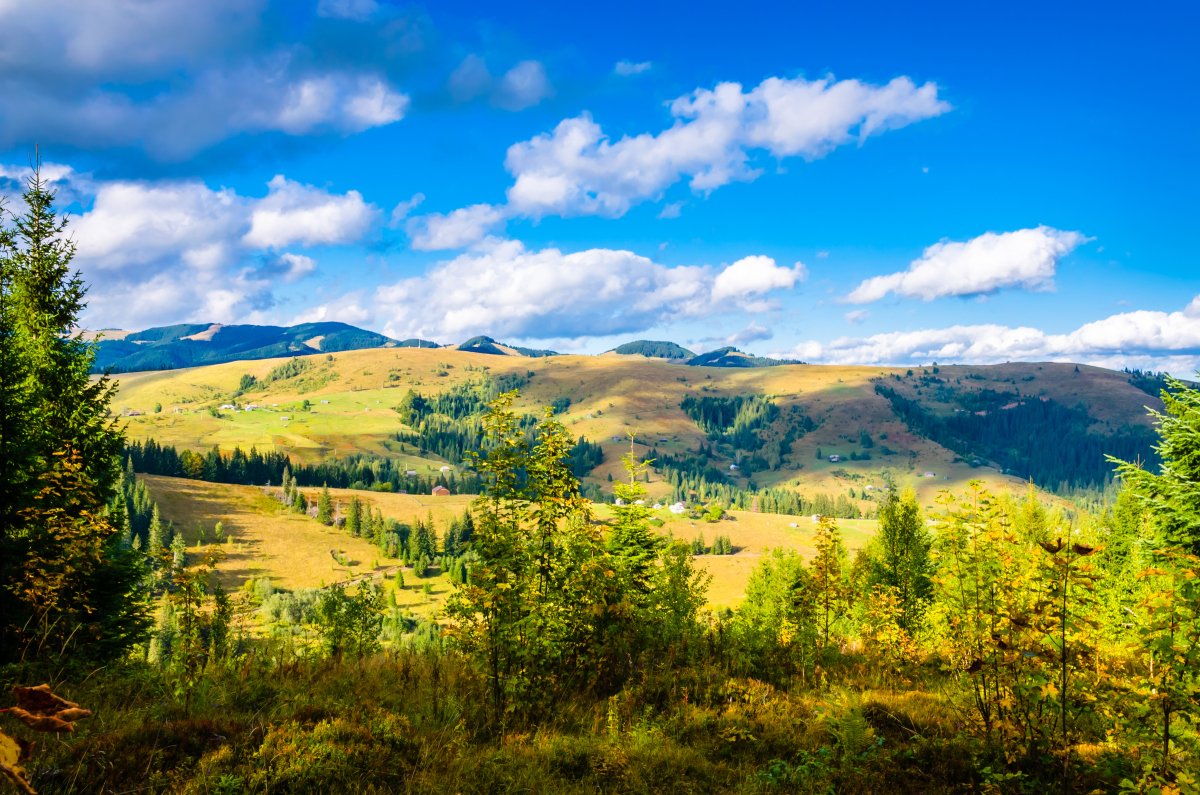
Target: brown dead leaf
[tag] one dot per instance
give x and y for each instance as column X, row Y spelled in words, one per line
column 41, row 710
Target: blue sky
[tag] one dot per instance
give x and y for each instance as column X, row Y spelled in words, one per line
column 868, row 184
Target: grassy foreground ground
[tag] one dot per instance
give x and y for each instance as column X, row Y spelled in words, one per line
column 414, row 722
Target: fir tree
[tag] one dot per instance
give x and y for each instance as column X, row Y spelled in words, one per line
column 178, row 552
column 64, row 575
column 634, row 547
column 325, row 507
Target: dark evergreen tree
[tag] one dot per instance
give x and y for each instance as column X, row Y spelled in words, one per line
column 325, row 507
column 66, row 581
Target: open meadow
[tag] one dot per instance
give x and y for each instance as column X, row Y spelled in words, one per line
column 293, row 551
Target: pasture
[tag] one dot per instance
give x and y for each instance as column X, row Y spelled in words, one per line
column 266, row 540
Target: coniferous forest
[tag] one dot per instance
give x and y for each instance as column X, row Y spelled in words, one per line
column 989, row 645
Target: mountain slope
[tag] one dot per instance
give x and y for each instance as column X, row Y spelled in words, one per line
column 194, row 344
column 819, row 412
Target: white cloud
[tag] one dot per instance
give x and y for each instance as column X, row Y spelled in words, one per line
column 296, row 266
column 511, row 292
column 402, row 209
column 756, row 275
column 576, row 170
column 135, row 224
column 856, row 316
column 463, row 227
column 626, row 68
column 1026, row 258
column 176, row 77
column 523, row 86
column 1139, row 339
column 172, row 251
column 295, row 213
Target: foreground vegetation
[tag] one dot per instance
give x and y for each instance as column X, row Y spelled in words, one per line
column 984, row 646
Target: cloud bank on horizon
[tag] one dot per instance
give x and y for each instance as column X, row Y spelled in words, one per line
column 601, row 196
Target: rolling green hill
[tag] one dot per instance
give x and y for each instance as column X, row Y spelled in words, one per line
column 653, row 349
column 730, row 433
column 732, row 357
column 192, row 344
column 490, row 346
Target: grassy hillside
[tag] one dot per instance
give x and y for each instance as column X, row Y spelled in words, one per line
column 294, row 551
column 623, row 396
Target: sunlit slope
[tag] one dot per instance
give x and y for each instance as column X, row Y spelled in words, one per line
column 622, row 395
column 294, row 551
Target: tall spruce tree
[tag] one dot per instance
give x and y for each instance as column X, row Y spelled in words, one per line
column 325, row 507
column 64, row 575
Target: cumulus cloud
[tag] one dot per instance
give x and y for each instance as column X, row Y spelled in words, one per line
column 1026, row 258
column 576, row 170
column 626, row 68
column 523, row 86
column 178, row 250
column 463, row 227
column 756, row 275
column 511, row 291
column 295, row 213
column 1141, row 338
column 176, row 77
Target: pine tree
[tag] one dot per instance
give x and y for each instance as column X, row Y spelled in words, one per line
column 633, row 546
column 325, row 507
column 354, row 516
column 828, row 591
column 178, row 552
column 63, row 571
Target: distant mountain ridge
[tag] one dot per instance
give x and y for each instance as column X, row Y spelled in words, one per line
column 195, row 344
